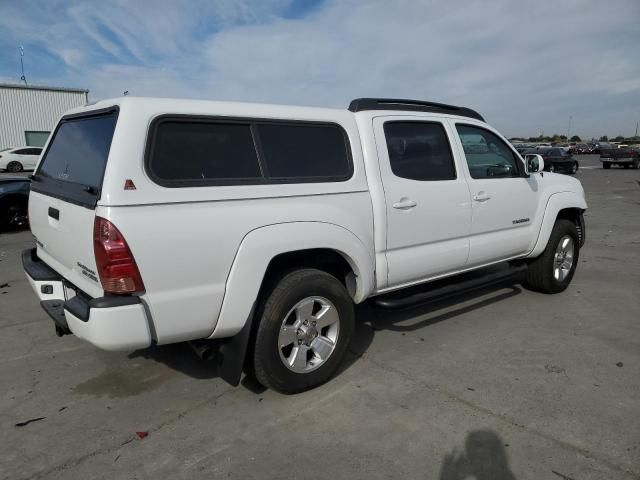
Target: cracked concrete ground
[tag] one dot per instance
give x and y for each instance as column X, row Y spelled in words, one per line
column 503, row 384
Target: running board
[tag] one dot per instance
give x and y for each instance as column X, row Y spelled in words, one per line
column 450, row 287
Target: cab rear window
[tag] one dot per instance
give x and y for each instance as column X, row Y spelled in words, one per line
column 73, row 165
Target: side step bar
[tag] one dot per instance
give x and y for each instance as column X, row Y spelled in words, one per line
column 450, row 287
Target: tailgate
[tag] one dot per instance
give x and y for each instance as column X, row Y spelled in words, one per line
column 64, row 193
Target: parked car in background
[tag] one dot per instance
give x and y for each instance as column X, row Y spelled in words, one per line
column 580, row 149
column 626, row 157
column 556, row 159
column 14, row 198
column 522, row 147
column 598, row 147
column 19, row 159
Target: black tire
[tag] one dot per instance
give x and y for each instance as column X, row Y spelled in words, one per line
column 552, row 168
column 269, row 368
column 574, row 168
column 606, row 165
column 13, row 214
column 540, row 276
column 636, row 164
column 14, row 167
column 627, row 165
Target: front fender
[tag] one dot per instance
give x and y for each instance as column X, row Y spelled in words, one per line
column 261, row 245
column 557, row 201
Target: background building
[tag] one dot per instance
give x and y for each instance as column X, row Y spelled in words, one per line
column 29, row 113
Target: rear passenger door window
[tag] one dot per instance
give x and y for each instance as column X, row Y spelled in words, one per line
column 419, row 151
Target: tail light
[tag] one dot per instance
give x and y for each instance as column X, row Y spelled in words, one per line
column 117, row 268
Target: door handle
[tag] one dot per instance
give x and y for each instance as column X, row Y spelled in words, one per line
column 404, row 204
column 481, row 197
column 54, row 213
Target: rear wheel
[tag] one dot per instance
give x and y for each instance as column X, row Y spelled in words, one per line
column 606, row 165
column 14, row 167
column 574, row 168
column 636, row 164
column 305, row 326
column 552, row 168
column 552, row 271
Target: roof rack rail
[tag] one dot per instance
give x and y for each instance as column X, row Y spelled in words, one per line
column 362, row 104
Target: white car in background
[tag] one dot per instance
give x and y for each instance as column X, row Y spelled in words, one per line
column 19, row 159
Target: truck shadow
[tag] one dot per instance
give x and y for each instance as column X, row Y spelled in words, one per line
column 483, row 457
column 369, row 320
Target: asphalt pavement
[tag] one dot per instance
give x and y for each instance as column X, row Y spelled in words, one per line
column 501, row 384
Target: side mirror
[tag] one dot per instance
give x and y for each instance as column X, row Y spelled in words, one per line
column 534, row 163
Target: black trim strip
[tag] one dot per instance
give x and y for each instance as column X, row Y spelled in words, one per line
column 80, row 307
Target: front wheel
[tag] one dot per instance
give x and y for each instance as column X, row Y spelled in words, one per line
column 552, row 168
column 636, row 164
column 305, row 326
column 552, row 271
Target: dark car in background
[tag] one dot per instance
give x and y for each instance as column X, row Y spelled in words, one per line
column 556, row 159
column 522, row 147
column 599, row 147
column 626, row 157
column 14, row 198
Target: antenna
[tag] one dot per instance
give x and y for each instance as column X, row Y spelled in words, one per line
column 23, row 78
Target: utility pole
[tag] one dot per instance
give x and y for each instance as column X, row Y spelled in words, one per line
column 569, row 129
column 636, row 129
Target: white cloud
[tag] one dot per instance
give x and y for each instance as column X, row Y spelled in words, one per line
column 526, row 65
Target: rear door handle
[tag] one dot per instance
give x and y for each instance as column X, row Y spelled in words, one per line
column 481, row 197
column 54, row 213
column 404, row 204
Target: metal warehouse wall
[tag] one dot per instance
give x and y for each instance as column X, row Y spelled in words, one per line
column 33, row 109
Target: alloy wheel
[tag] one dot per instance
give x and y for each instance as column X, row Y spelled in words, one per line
column 308, row 334
column 563, row 258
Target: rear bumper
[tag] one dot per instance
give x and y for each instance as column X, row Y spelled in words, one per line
column 618, row 160
column 110, row 323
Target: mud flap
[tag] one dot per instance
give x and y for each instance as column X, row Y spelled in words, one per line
column 232, row 354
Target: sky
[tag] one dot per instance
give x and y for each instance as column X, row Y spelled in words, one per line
column 529, row 67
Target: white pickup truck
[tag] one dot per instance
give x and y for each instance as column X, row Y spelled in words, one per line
column 260, row 226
